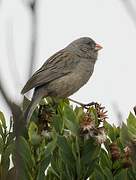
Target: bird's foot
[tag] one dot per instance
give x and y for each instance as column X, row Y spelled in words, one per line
column 86, row 106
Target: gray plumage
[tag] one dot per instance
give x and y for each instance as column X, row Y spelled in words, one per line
column 63, row 73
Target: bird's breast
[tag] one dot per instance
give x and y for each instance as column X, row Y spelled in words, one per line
column 70, row 83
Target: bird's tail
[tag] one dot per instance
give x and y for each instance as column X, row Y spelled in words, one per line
column 32, row 106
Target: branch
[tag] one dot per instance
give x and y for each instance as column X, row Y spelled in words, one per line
column 134, row 110
column 33, row 40
column 5, row 96
column 130, row 9
column 32, row 5
column 11, row 54
column 117, row 113
column 18, row 127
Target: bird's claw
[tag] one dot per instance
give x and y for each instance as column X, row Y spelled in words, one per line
column 86, row 106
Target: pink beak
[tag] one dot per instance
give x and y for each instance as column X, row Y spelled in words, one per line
column 98, row 47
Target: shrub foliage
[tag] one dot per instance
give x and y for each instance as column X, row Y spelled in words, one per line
column 63, row 142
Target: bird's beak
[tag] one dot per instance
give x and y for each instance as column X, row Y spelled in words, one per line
column 98, row 47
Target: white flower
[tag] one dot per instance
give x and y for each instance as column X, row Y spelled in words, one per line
column 101, row 137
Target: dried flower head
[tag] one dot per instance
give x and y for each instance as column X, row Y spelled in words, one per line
column 127, row 163
column 101, row 137
column 127, row 151
column 87, row 126
column 87, row 123
column 44, row 118
column 46, row 134
column 115, row 151
column 89, row 129
column 101, row 113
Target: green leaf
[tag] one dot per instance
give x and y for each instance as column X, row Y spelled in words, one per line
column 9, row 149
column 34, row 137
column 89, row 155
column 2, row 119
column 1, row 131
column 69, row 113
column 46, row 159
column 5, row 163
column 3, row 170
column 10, row 137
column 98, row 175
column 74, row 128
column 131, row 172
column 42, row 167
column 1, row 145
column 52, row 176
column 131, row 121
column 32, row 129
column 6, row 151
column 105, row 160
column 66, row 150
column 89, row 152
column 110, row 131
column 132, row 132
column 54, row 169
column 117, row 165
column 58, row 123
column 88, row 170
column 124, row 136
column 24, row 173
column 76, row 153
column 50, row 147
column 71, row 120
column 131, row 126
column 25, row 152
column 79, row 113
column 121, row 175
column 107, row 173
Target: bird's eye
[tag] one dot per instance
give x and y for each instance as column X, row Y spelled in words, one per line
column 92, row 45
column 88, row 43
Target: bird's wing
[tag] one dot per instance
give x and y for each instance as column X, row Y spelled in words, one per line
column 55, row 67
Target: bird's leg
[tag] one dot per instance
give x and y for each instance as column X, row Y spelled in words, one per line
column 81, row 104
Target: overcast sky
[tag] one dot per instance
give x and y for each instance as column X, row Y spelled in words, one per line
column 60, row 22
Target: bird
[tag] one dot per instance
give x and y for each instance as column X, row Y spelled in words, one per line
column 63, row 73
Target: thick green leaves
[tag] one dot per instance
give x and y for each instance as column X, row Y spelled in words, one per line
column 89, row 152
column 1, row 145
column 58, row 123
column 124, row 136
column 2, row 126
column 131, row 121
column 25, row 153
column 66, row 150
column 42, row 167
column 131, row 124
column 2, row 120
column 104, row 159
column 69, row 153
column 112, row 131
column 70, row 120
column 121, row 175
column 46, row 159
column 34, row 137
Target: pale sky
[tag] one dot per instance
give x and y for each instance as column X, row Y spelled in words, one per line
column 60, row 22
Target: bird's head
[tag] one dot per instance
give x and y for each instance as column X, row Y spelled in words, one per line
column 85, row 47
